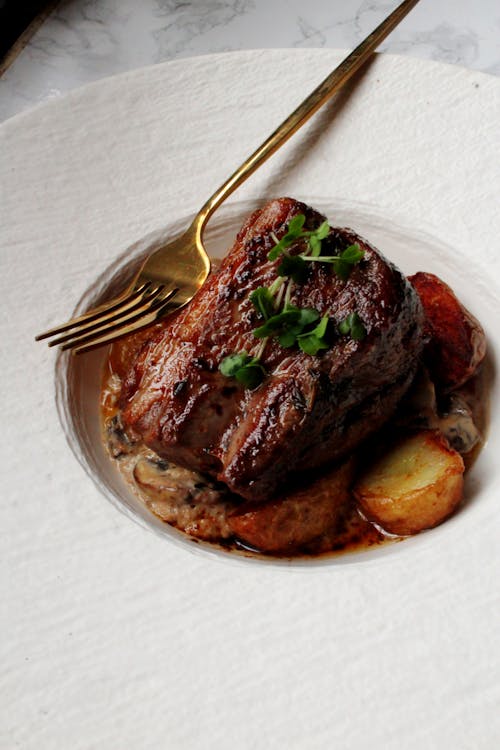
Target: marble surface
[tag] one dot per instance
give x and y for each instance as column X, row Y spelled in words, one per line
column 85, row 40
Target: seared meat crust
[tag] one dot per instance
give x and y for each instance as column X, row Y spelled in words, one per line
column 456, row 342
column 309, row 410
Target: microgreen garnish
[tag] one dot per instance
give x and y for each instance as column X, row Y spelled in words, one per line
column 296, row 232
column 291, row 325
column 343, row 263
column 288, row 325
column 294, row 267
column 246, row 369
column 311, row 342
column 293, row 234
column 353, row 327
column 263, row 300
column 316, row 236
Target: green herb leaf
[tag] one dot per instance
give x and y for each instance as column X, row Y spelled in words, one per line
column 296, row 224
column 347, row 259
column 315, row 246
column 315, row 238
column 247, row 370
column 232, row 363
column 352, row 254
column 343, row 263
column 263, row 300
column 314, row 340
column 307, row 315
column 294, row 267
column 276, row 324
column 251, row 375
column 288, row 325
column 353, row 327
column 288, row 337
column 322, row 230
column 296, row 232
column 320, row 329
column 277, row 249
column 312, row 344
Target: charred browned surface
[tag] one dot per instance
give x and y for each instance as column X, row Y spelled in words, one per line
column 308, row 513
column 456, row 343
column 309, row 410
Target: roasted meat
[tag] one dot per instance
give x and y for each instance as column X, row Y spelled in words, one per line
column 309, row 410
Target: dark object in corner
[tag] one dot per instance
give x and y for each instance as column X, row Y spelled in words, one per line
column 15, row 19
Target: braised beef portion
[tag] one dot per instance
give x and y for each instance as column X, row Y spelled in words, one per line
column 309, row 410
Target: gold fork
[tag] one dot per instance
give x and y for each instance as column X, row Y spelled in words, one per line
column 172, row 275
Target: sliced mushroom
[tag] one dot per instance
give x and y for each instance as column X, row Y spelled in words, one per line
column 182, row 498
column 152, row 474
column 458, row 425
column 453, row 418
column 119, row 442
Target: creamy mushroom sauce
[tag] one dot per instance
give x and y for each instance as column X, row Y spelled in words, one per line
column 199, row 506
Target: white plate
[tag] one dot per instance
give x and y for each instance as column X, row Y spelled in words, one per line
column 116, row 636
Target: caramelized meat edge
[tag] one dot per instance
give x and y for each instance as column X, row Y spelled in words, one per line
column 309, row 410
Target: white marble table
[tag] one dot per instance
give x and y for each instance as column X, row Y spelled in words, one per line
column 84, row 41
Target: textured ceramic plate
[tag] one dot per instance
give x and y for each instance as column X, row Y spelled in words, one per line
column 100, row 612
column 79, row 379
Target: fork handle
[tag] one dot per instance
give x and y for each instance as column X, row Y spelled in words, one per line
column 332, row 83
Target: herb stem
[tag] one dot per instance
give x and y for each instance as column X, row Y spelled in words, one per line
column 261, row 348
column 276, row 285
column 277, row 301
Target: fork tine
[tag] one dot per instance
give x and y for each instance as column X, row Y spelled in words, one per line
column 141, row 322
column 133, row 304
column 95, row 313
column 142, row 313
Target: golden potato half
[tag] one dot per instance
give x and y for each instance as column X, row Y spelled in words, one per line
column 415, row 486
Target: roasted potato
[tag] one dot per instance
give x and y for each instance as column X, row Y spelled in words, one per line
column 289, row 522
column 414, row 486
column 457, row 343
